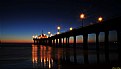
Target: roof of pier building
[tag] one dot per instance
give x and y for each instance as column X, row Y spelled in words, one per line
column 43, row 36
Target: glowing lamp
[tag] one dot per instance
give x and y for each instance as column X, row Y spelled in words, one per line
column 58, row 27
column 71, row 28
column 100, row 19
column 82, row 16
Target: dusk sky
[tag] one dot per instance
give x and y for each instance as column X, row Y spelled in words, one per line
column 21, row 19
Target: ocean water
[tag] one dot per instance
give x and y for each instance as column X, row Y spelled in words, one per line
column 31, row 56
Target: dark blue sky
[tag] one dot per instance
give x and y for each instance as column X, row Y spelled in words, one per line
column 20, row 19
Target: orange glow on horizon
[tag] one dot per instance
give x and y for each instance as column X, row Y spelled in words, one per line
column 16, row 41
column 71, row 40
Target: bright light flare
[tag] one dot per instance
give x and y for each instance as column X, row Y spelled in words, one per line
column 58, row 32
column 58, row 27
column 51, row 35
column 71, row 28
column 33, row 36
column 100, row 19
column 36, row 36
column 48, row 32
column 82, row 16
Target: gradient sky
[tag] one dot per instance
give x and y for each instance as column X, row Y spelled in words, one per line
column 21, row 19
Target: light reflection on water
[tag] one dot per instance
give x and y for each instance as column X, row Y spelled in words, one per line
column 51, row 57
column 20, row 56
column 41, row 56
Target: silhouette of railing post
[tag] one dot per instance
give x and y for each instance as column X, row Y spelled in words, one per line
column 85, row 41
column 63, row 41
column 107, row 46
column 85, row 48
column 74, row 45
column 50, row 41
column 106, row 40
column 34, row 41
column 97, row 41
column 67, row 41
column 59, row 41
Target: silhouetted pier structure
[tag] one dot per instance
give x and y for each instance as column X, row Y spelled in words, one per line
column 104, row 26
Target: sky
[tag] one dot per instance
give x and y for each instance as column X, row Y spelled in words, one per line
column 21, row 19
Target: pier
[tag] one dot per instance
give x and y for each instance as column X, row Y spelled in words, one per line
column 104, row 26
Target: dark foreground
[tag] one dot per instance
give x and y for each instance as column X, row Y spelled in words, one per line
column 30, row 56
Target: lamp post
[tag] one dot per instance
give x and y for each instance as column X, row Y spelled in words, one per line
column 82, row 16
column 58, row 28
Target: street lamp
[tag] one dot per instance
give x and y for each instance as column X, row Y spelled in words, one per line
column 58, row 28
column 49, row 34
column 58, row 32
column 71, row 28
column 100, row 19
column 82, row 16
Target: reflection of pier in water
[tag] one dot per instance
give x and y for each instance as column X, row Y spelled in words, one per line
column 49, row 57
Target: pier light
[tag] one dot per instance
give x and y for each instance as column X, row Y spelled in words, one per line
column 33, row 36
column 100, row 19
column 49, row 34
column 58, row 32
column 44, row 34
column 82, row 16
column 71, row 28
column 58, row 27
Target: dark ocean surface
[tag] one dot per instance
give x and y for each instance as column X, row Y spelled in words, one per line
column 30, row 56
